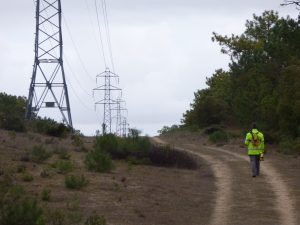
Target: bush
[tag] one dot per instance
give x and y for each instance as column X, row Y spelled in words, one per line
column 167, row 129
column 95, row 220
column 64, row 154
column 27, row 177
column 40, row 154
column 57, row 217
column 289, row 146
column 168, row 157
column 218, row 136
column 98, row 161
column 138, row 161
column 63, row 166
column 46, row 194
column 106, row 143
column 75, row 182
column 135, row 147
column 18, row 209
column 50, row 127
column 21, row 168
column 77, row 141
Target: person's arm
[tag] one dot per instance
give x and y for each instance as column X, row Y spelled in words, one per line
column 262, row 145
column 248, row 139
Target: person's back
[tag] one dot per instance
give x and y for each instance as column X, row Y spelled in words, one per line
column 255, row 144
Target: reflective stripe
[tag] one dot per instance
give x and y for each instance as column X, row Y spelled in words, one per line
column 249, row 149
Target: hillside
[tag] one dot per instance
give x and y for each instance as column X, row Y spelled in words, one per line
column 129, row 194
column 219, row 191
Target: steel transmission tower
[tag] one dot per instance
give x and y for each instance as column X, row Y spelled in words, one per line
column 108, row 101
column 125, row 127
column 48, row 88
column 119, row 108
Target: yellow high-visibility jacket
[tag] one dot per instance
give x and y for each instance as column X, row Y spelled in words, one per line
column 255, row 150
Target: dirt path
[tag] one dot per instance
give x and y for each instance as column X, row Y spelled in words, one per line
column 284, row 203
column 238, row 200
column 224, row 187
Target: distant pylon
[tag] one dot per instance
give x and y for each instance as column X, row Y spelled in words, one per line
column 48, row 88
column 125, row 127
column 108, row 99
column 119, row 108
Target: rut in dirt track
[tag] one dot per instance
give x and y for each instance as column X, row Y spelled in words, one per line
column 283, row 202
column 240, row 199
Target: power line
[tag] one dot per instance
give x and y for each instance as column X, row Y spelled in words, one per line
column 100, row 33
column 106, row 23
column 75, row 93
column 79, row 83
column 92, row 25
column 76, row 49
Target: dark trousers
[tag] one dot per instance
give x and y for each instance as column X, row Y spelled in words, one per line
column 254, row 161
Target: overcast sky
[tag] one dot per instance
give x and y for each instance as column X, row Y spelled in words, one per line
column 162, row 51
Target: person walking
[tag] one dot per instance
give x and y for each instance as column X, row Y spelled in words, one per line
column 255, row 143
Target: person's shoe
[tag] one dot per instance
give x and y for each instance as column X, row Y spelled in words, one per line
column 253, row 176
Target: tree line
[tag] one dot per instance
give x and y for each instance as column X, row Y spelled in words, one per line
column 262, row 83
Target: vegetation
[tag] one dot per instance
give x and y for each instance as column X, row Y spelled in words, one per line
column 46, row 194
column 12, row 117
column 95, row 220
column 49, row 127
column 27, row 177
column 39, row 153
column 99, row 161
column 16, row 208
column 75, row 181
column 262, row 83
column 63, row 166
column 12, row 111
column 218, row 136
column 136, row 150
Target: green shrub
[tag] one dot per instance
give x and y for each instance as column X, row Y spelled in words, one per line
column 17, row 209
column 57, row 217
column 289, row 146
column 75, row 182
column 167, row 129
column 12, row 111
column 40, row 154
column 74, row 217
column 50, row 127
column 21, row 168
column 77, row 140
column 98, row 161
column 63, row 166
column 106, row 143
column 27, row 177
column 64, row 154
column 95, row 220
column 218, row 136
column 46, row 194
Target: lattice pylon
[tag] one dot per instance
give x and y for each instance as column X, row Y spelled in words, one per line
column 48, row 88
column 108, row 101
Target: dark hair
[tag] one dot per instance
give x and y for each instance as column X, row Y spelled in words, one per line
column 254, row 126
